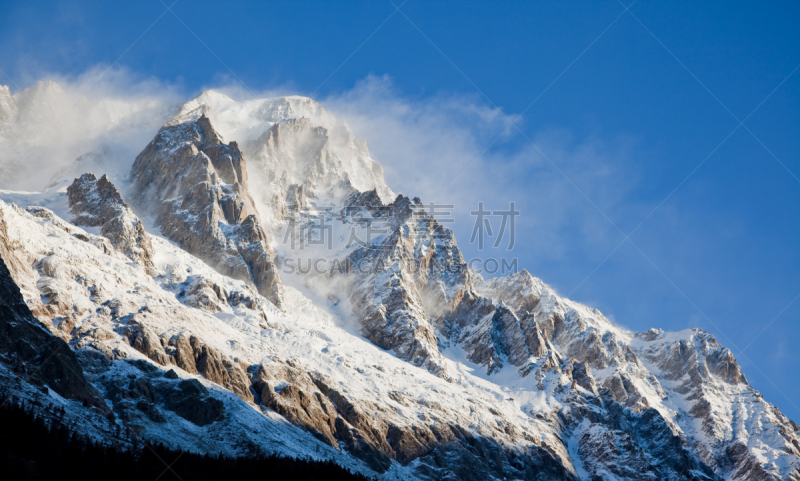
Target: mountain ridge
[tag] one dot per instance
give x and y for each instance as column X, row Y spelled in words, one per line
column 451, row 376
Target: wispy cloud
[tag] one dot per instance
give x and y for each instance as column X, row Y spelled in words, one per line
column 424, row 143
column 432, row 146
column 51, row 123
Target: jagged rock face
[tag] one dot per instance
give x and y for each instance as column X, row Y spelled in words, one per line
column 426, row 435
column 700, row 358
column 413, row 283
column 551, row 324
column 97, row 203
column 701, row 372
column 637, row 447
column 599, row 392
column 441, row 449
column 196, row 186
column 100, row 337
column 412, row 289
column 308, row 400
column 521, row 322
column 406, row 280
column 633, row 431
column 526, row 384
column 497, row 335
column 192, row 355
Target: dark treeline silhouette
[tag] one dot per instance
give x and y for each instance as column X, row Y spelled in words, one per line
column 32, row 449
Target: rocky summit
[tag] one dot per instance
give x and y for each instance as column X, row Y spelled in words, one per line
column 195, row 186
column 270, row 294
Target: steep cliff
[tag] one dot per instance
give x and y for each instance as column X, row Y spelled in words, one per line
column 195, row 186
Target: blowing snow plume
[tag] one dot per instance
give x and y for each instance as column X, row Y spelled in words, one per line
column 60, row 128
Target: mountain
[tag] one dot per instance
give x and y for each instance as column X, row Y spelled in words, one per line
column 253, row 287
column 195, row 186
column 292, row 145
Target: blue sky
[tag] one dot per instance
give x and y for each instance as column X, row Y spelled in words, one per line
column 633, row 121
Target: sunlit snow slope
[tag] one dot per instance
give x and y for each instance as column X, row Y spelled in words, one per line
column 391, row 356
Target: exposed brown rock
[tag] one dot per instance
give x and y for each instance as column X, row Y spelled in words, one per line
column 196, row 187
column 147, row 342
column 292, row 393
column 218, row 368
column 313, row 404
column 192, row 355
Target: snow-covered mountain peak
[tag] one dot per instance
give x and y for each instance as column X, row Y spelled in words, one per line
column 402, row 362
column 290, row 143
column 196, row 187
column 248, row 119
column 42, row 91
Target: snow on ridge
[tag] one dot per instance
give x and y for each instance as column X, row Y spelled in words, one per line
column 315, row 150
column 246, row 120
column 691, row 381
column 307, row 332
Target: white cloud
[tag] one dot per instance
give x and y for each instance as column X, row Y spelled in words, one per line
column 111, row 113
column 426, row 143
column 431, row 147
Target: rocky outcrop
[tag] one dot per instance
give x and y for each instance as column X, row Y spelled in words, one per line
column 412, row 289
column 97, row 203
column 701, row 370
column 377, row 435
column 192, row 355
column 307, row 400
column 291, row 392
column 195, row 186
column 201, row 293
column 698, row 356
column 190, row 400
column 406, row 280
column 152, row 393
column 494, row 335
column 626, row 445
